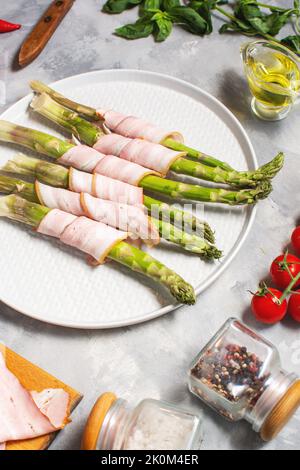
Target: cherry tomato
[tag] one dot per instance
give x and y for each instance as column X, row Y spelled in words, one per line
column 280, row 275
column 266, row 308
column 294, row 306
column 295, row 238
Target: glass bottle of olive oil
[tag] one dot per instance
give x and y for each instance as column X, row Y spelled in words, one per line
column 273, row 75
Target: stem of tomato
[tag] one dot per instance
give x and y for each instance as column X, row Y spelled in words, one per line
column 287, row 291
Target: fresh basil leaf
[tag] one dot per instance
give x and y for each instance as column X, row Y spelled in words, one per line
column 204, row 7
column 189, row 18
column 238, row 26
column 151, row 5
column 141, row 29
column 163, row 26
column 292, row 42
column 277, row 20
column 118, row 6
column 167, row 4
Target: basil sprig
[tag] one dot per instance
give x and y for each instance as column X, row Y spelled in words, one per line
column 248, row 17
column 118, row 6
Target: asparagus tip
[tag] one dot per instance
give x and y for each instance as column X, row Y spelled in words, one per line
column 209, row 234
column 270, row 169
column 262, row 191
column 212, row 252
column 183, row 292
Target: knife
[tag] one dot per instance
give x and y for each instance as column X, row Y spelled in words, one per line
column 43, row 30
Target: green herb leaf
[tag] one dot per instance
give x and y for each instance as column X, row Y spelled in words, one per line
column 189, row 18
column 142, row 28
column 204, row 8
column 163, row 26
column 118, row 6
column 151, row 5
column 167, row 4
column 277, row 20
column 292, row 42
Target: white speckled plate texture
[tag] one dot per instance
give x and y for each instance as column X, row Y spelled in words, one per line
column 42, row 279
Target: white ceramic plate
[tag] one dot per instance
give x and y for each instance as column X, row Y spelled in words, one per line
column 46, row 281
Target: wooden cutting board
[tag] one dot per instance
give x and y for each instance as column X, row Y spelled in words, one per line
column 34, row 378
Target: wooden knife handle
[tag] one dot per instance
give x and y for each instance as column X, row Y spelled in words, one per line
column 43, row 31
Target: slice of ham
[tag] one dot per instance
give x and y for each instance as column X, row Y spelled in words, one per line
column 134, row 127
column 82, row 157
column 57, row 198
column 89, row 160
column 111, row 144
column 90, row 237
column 20, row 414
column 118, row 191
column 126, row 217
column 128, row 172
column 55, row 223
column 93, row 238
column 105, row 187
column 53, row 403
column 80, row 182
column 138, row 151
column 123, row 216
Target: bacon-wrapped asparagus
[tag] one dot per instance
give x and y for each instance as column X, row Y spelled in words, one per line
column 128, row 218
column 88, row 159
column 132, row 127
column 106, row 188
column 97, row 240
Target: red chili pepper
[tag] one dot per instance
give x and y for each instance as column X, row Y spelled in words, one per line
column 6, row 27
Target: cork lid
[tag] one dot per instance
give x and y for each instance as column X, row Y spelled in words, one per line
column 281, row 413
column 95, row 420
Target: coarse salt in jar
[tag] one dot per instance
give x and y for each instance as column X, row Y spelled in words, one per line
column 152, row 425
column 239, row 375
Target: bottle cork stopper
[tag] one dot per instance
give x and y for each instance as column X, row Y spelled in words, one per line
column 281, row 413
column 95, row 420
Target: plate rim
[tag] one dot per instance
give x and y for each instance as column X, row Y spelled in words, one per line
column 251, row 210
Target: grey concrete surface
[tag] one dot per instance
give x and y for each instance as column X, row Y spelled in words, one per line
column 150, row 360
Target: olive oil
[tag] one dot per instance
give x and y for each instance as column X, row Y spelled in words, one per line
column 273, row 74
column 274, row 78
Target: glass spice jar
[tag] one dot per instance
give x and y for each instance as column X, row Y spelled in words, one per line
column 239, row 375
column 151, row 425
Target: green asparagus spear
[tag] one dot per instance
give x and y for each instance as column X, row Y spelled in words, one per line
column 220, row 172
column 187, row 241
column 30, row 213
column 55, row 148
column 58, row 176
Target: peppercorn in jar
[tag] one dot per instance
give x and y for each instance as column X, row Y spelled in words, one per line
column 239, row 375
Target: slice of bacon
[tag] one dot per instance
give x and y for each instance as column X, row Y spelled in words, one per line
column 93, row 238
column 126, row 217
column 118, row 191
column 20, row 415
column 88, row 159
column 105, row 187
column 57, row 198
column 82, row 157
column 147, row 154
column 131, row 219
column 90, row 237
column 55, row 223
column 134, row 127
column 128, row 172
column 80, row 182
